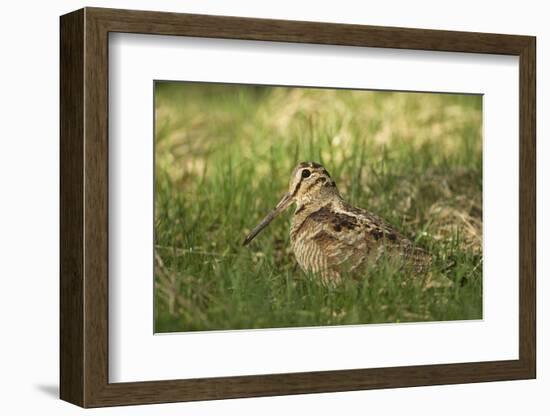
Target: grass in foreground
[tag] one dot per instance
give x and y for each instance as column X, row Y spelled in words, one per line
column 224, row 155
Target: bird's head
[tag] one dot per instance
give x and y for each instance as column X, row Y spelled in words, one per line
column 310, row 183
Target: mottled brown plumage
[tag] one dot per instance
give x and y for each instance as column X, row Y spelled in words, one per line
column 330, row 237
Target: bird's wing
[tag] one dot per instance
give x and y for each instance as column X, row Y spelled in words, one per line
column 393, row 240
column 350, row 237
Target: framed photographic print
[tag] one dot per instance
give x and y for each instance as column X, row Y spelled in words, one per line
column 255, row 207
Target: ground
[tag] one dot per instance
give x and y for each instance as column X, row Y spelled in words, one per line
column 223, row 157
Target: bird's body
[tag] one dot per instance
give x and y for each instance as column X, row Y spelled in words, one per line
column 330, row 237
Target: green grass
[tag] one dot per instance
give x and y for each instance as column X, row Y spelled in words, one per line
column 223, row 158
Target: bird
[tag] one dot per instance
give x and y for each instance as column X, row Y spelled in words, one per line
column 330, row 237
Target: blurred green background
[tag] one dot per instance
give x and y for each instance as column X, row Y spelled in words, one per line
column 223, row 158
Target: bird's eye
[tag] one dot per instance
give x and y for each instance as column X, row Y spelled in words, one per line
column 306, row 173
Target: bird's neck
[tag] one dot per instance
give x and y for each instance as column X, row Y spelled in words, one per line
column 306, row 207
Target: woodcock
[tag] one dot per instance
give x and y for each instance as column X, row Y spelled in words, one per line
column 329, row 236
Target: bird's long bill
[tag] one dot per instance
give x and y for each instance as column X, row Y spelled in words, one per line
column 280, row 207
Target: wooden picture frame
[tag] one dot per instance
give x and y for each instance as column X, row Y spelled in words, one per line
column 84, row 207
